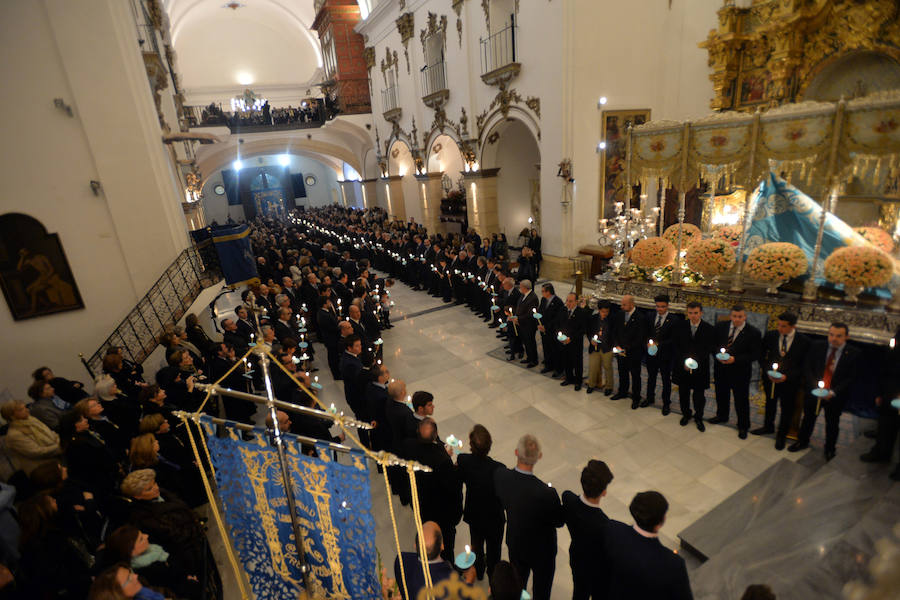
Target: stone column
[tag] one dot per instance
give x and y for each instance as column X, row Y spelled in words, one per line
column 430, row 194
column 369, row 192
column 481, row 201
column 394, row 192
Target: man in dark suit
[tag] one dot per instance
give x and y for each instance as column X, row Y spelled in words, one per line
column 629, row 337
column 572, row 323
column 533, row 512
column 351, row 367
column 888, row 418
column 550, row 308
column 439, row 569
column 376, row 407
column 230, row 335
column 639, row 566
column 483, row 511
column 440, row 491
column 742, row 341
column 235, row 409
column 329, row 335
column 285, row 326
column 661, row 331
column 245, row 325
column 586, row 522
column 786, row 347
column 525, row 324
column 832, row 363
column 694, row 339
column 403, row 425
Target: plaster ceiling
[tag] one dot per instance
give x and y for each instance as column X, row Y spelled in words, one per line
column 267, row 40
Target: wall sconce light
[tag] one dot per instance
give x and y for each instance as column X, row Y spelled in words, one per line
column 601, row 147
column 95, row 187
column 61, row 105
column 565, row 170
column 601, row 102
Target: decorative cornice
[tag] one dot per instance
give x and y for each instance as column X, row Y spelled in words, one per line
column 426, row 176
column 480, row 174
column 406, row 28
column 369, row 56
column 433, row 28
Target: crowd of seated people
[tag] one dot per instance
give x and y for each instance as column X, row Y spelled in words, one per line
column 307, row 112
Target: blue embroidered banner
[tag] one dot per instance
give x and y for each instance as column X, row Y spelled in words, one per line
column 334, row 506
column 235, row 254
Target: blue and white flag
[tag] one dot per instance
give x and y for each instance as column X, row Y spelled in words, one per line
column 235, row 254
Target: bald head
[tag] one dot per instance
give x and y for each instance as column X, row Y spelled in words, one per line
column 434, row 540
column 346, row 328
column 627, row 302
column 397, row 390
column 284, row 421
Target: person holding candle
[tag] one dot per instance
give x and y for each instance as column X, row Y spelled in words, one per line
column 629, row 338
column 525, row 325
column 550, row 308
column 786, row 347
column 693, row 342
column 329, row 335
column 533, row 513
column 741, row 342
column 661, row 332
column 351, row 367
column 600, row 371
column 586, row 522
column 235, row 409
column 439, row 568
column 403, row 425
column 833, row 365
column 572, row 323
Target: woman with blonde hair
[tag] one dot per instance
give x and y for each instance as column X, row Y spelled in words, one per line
column 170, row 475
column 29, row 442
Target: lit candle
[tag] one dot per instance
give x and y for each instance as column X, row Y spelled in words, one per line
column 251, row 337
column 316, row 379
column 721, row 350
column 775, row 366
column 650, row 342
column 468, row 551
column 892, row 343
column 821, row 385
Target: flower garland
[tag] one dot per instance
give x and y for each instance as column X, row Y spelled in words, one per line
column 776, row 261
column 729, row 233
column 691, row 234
column 663, row 275
column 652, row 253
column 710, row 257
column 877, row 236
column 864, row 266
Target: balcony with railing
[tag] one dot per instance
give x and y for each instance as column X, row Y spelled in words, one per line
column 311, row 113
column 499, row 55
column 434, row 84
column 390, row 103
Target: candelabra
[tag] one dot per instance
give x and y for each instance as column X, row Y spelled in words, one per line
column 624, row 230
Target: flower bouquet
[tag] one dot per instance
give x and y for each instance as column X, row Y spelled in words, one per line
column 775, row 263
column 710, row 257
column 858, row 267
column 876, row 236
column 729, row 233
column 652, row 253
column 691, row 234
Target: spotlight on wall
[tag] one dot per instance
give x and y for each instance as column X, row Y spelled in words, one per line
column 601, row 102
column 95, row 187
column 601, row 146
column 284, row 160
column 237, row 165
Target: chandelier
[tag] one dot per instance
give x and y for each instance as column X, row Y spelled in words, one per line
column 247, row 101
column 624, row 230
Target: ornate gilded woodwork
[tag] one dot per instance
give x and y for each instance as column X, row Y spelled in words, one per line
column 435, row 26
column 389, row 61
column 769, row 53
column 369, row 56
column 504, row 99
column 406, row 28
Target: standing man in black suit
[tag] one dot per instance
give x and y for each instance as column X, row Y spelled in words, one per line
column 403, row 425
column 351, row 367
column 662, row 331
column 526, row 324
column 330, row 336
column 629, row 337
column 533, row 512
column 572, row 322
column 639, row 566
column 693, row 338
column 786, row 347
column 742, row 341
column 376, row 407
column 833, row 363
column 483, row 511
column 586, row 522
column 550, row 307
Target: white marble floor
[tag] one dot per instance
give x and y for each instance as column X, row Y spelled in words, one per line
column 444, row 351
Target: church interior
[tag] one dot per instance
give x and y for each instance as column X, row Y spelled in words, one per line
column 369, row 299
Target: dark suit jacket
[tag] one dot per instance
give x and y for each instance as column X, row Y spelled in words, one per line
column 237, row 341
column 744, row 349
column 415, row 576
column 351, row 367
column 527, row 323
column 283, row 331
column 328, row 327
column 482, row 506
column 641, row 568
column 697, row 347
column 791, row 364
column 440, row 492
column 844, row 372
column 551, row 311
column 602, row 328
column 575, row 327
column 586, row 526
column 402, row 421
column 630, row 336
column 664, row 336
column 533, row 512
column 376, row 409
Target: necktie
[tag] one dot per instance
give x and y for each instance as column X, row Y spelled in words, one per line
column 658, row 322
column 731, row 336
column 829, row 367
column 570, row 313
column 627, row 316
column 783, row 345
column 693, row 330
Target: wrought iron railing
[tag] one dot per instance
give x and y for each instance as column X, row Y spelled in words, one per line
column 389, row 99
column 434, row 78
column 500, row 49
column 163, row 305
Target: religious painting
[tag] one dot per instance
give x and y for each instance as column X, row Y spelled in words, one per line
column 34, row 273
column 614, row 125
column 753, row 89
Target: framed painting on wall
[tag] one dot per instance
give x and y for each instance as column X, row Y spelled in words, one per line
column 34, row 273
column 614, row 124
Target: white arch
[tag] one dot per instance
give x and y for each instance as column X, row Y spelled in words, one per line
column 496, row 119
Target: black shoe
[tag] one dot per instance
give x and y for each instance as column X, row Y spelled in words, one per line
column 607, row 392
column 577, row 387
column 521, row 355
column 829, row 454
column 506, row 347
column 531, row 365
column 589, row 390
column 684, row 420
column 646, row 403
column 716, row 420
column 635, row 403
column 871, row 434
column 546, row 370
column 666, row 409
column 619, row 396
column 762, row 430
column 779, row 444
column 742, row 433
column 700, row 426
column 872, row 456
column 564, row 383
column 493, row 325
column 798, row 446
